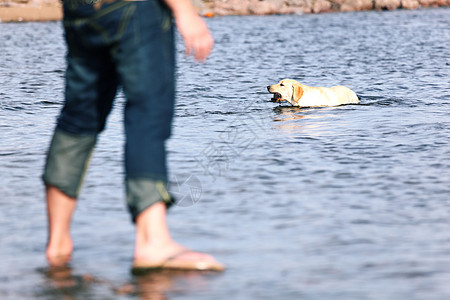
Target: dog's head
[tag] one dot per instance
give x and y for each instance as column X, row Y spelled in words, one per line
column 286, row 90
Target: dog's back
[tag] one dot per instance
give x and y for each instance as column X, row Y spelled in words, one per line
column 345, row 95
column 323, row 96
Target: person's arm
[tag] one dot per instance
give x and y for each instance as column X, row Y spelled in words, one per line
column 197, row 38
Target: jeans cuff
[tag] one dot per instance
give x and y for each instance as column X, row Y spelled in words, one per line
column 67, row 161
column 143, row 193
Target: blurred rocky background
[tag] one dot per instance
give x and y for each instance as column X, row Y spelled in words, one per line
column 41, row 10
column 266, row 7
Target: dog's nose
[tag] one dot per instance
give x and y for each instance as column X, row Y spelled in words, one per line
column 268, row 88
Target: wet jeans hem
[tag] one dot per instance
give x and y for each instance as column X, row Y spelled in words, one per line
column 143, row 193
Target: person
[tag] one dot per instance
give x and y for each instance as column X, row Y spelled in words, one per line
column 114, row 43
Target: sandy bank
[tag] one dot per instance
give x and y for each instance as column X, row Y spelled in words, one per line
column 30, row 10
column 30, row 13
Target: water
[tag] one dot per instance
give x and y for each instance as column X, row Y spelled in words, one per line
column 349, row 202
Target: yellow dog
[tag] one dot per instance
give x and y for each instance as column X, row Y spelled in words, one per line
column 299, row 94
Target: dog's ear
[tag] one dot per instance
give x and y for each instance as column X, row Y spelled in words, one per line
column 298, row 92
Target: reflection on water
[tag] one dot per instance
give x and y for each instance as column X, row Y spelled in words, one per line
column 62, row 283
column 296, row 120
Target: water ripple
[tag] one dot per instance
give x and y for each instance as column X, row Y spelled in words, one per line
column 349, row 202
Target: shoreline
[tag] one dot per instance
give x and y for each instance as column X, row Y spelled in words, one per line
column 51, row 10
column 281, row 7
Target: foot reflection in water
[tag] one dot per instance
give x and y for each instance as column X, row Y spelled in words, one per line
column 62, row 283
column 157, row 284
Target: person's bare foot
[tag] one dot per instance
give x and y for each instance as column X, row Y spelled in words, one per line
column 60, row 252
column 174, row 256
column 155, row 248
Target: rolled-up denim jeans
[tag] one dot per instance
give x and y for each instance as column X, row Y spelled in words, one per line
column 111, row 44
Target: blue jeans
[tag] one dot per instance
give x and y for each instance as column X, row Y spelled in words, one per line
column 127, row 44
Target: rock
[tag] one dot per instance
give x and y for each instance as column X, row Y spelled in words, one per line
column 424, row 3
column 356, row 5
column 387, row 4
column 294, row 6
column 443, row 2
column 410, row 4
column 292, row 10
column 321, row 6
column 294, row 2
column 427, row 3
column 257, row 7
column 199, row 6
column 230, row 7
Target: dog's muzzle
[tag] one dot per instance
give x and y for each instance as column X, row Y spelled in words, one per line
column 276, row 97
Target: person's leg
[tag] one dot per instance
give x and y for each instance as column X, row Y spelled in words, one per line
column 60, row 208
column 91, row 84
column 67, row 161
column 146, row 65
column 153, row 241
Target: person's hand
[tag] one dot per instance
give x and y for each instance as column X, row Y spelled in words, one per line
column 195, row 33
